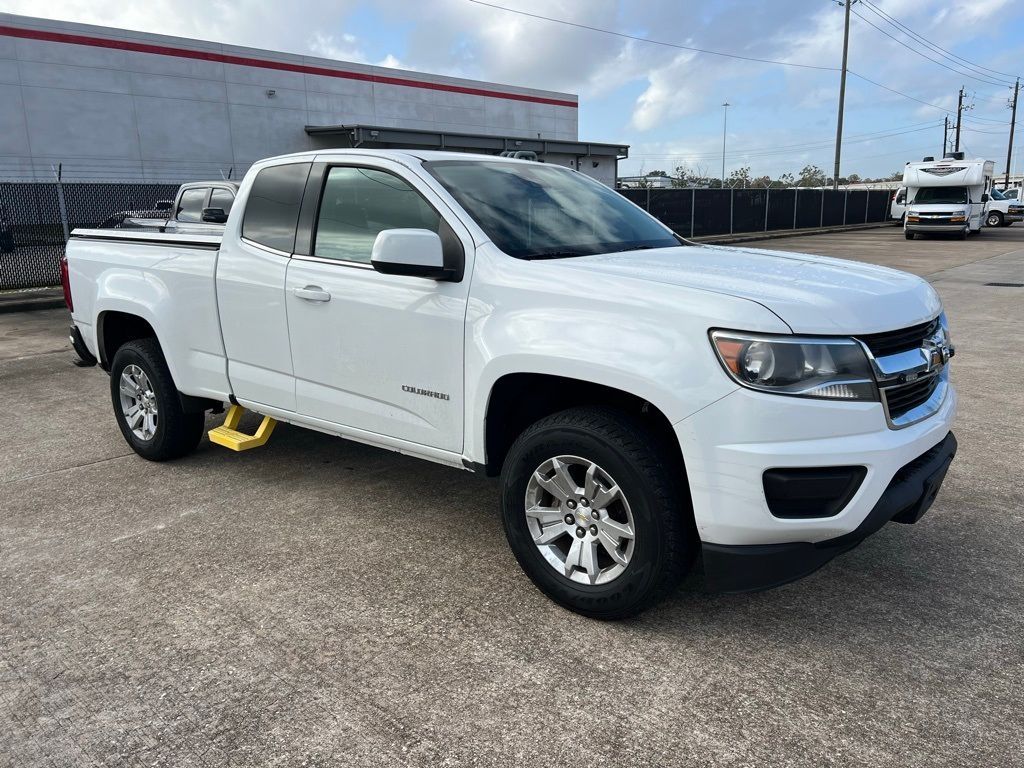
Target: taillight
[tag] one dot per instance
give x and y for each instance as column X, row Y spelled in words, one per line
column 65, row 281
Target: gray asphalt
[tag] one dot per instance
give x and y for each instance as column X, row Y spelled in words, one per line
column 317, row 602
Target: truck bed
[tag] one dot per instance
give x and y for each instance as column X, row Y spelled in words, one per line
column 134, row 269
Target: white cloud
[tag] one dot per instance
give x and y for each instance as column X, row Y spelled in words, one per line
column 670, row 93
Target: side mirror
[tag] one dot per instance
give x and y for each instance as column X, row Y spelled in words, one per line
column 214, row 215
column 984, row 198
column 163, row 205
column 412, row 252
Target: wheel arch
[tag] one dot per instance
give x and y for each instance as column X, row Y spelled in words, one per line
column 517, row 400
column 116, row 327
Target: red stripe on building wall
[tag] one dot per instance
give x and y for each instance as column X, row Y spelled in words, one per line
column 246, row 61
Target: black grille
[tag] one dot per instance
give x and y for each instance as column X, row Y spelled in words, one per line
column 891, row 342
column 906, row 397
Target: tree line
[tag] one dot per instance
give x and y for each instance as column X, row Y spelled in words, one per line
column 809, row 176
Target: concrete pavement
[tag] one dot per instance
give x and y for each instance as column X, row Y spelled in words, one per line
column 321, row 603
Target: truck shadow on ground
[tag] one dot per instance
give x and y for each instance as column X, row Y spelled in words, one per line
column 900, row 591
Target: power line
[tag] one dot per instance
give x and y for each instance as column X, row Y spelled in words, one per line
column 987, row 79
column 900, row 93
column 935, row 46
column 723, row 54
column 653, row 42
column 991, row 96
column 985, row 119
column 972, row 129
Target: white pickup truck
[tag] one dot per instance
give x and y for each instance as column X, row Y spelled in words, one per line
column 648, row 403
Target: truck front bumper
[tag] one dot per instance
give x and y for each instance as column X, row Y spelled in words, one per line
column 744, row 568
column 958, row 227
column 730, row 445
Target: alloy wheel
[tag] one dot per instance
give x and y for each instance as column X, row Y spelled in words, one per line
column 580, row 520
column 138, row 402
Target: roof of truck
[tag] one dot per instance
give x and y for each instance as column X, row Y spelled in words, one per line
column 399, row 154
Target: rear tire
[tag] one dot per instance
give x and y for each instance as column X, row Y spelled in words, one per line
column 612, row 575
column 140, row 385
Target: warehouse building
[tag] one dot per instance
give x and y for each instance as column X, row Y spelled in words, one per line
column 108, row 104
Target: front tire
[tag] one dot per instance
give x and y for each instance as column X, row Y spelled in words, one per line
column 596, row 517
column 995, row 219
column 146, row 404
column 908, row 235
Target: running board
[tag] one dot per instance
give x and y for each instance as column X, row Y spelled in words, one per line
column 227, row 434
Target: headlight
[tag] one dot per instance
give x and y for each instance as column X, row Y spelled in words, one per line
column 835, row 369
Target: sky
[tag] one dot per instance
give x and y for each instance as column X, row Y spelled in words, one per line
column 665, row 101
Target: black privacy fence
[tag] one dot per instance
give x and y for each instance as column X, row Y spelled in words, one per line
column 36, row 217
column 698, row 212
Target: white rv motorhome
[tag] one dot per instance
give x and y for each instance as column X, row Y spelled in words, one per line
column 948, row 195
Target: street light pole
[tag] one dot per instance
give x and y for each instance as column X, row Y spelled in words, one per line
column 725, row 122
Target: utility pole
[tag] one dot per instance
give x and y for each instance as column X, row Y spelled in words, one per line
column 1013, row 125
column 842, row 94
column 725, row 120
column 959, row 118
column 945, row 133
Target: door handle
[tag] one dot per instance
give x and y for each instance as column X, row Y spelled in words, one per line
column 313, row 293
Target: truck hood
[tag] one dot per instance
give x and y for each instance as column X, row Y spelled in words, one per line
column 811, row 294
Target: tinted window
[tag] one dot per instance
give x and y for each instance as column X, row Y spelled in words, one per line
column 222, row 198
column 273, row 206
column 531, row 210
column 360, row 202
column 190, row 206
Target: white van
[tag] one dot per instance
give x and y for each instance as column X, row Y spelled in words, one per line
column 948, row 195
column 899, row 204
column 1003, row 210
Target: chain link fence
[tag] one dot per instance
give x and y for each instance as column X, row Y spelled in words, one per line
column 36, row 218
column 701, row 212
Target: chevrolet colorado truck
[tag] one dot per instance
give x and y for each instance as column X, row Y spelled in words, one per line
column 649, row 404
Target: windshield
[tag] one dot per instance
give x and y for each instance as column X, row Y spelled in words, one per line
column 953, row 195
column 997, row 195
column 530, row 210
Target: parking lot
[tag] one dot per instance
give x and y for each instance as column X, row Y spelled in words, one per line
column 318, row 602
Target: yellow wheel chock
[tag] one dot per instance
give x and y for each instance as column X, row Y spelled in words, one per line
column 227, row 434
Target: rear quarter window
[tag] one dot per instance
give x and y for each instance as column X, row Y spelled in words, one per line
column 222, row 198
column 190, row 207
column 272, row 208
